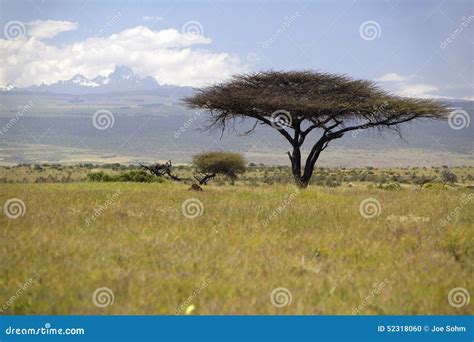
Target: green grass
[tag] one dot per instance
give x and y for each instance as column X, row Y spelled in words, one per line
column 153, row 258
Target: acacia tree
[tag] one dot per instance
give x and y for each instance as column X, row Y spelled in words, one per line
column 297, row 103
column 210, row 164
column 448, row 177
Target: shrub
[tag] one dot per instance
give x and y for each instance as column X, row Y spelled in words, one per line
column 448, row 177
column 226, row 163
column 332, row 183
column 421, row 180
column 139, row 176
column 99, row 177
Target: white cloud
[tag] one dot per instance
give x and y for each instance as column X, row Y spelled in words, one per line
column 418, row 90
column 392, row 77
column 168, row 55
column 49, row 28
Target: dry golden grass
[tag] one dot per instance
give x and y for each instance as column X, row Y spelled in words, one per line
column 152, row 257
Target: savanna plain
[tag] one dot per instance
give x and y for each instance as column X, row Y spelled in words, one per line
column 362, row 241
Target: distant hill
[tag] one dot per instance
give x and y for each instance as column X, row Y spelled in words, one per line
column 121, row 80
column 150, row 122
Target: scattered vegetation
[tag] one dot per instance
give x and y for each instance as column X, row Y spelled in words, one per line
column 254, row 175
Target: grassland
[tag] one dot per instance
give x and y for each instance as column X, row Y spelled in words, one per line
column 246, row 240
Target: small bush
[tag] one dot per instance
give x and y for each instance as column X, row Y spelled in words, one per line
column 99, row 177
column 448, row 177
column 332, row 183
column 225, row 163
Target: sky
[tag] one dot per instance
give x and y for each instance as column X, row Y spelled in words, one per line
column 415, row 48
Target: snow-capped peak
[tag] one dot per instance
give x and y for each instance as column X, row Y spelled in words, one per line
column 83, row 81
column 102, row 80
column 121, row 79
column 8, row 87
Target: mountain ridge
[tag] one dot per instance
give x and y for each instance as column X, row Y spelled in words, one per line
column 121, row 79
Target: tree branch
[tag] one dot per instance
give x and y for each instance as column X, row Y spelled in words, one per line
column 386, row 123
column 163, row 170
column 205, row 178
column 281, row 131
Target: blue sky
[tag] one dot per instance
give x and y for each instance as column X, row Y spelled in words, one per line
column 404, row 46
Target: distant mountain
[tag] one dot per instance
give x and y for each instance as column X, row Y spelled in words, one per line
column 458, row 103
column 122, row 79
column 7, row 88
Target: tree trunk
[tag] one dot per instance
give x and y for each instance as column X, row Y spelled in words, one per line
column 302, row 184
column 205, row 179
column 295, row 159
column 302, row 181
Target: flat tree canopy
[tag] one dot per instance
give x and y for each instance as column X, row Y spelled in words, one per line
column 296, row 103
column 226, row 163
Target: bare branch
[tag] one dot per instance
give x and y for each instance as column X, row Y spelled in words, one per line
column 163, row 170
